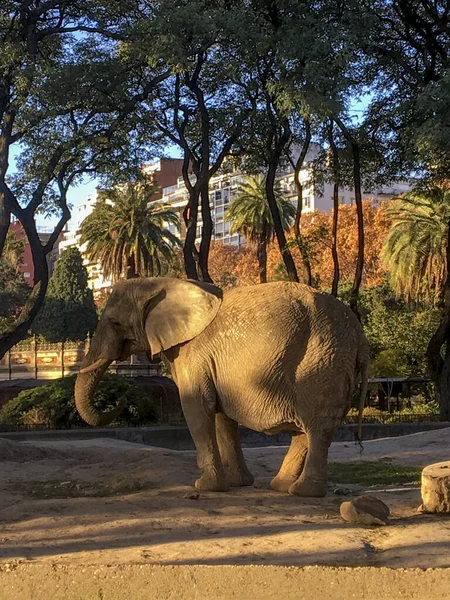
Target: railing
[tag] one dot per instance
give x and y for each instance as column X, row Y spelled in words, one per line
column 395, row 417
column 33, row 359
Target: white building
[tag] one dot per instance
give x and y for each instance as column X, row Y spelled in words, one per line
column 71, row 238
column 223, row 187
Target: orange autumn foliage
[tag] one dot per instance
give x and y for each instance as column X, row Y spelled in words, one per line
column 376, row 226
column 230, row 266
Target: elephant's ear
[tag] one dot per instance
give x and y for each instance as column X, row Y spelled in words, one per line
column 179, row 312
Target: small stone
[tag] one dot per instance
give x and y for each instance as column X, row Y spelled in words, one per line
column 342, row 491
column 367, row 510
column 192, row 496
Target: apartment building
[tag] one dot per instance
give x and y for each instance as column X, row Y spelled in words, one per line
column 224, row 186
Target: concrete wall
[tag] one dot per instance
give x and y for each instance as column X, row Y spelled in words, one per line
column 179, row 438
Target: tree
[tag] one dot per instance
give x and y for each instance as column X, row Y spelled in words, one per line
column 318, row 241
column 415, row 248
column 128, row 234
column 407, row 50
column 66, row 95
column 398, row 332
column 202, row 107
column 68, row 312
column 231, row 266
column 250, row 214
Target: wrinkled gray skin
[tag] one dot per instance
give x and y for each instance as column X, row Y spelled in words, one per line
column 273, row 357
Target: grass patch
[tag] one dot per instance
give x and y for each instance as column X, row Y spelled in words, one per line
column 373, row 473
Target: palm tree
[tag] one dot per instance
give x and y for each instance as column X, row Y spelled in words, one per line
column 250, row 215
column 127, row 234
column 415, row 247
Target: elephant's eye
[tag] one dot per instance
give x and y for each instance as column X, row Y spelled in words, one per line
column 115, row 323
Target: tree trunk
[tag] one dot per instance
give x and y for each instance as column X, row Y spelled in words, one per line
column 435, row 488
column 298, row 214
column 277, row 225
column 334, row 252
column 274, row 155
column 354, row 293
column 190, row 215
column 261, row 253
column 336, row 178
column 438, row 367
column 5, row 219
column 131, row 268
column 207, row 230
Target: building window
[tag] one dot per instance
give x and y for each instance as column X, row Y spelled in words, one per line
column 307, row 202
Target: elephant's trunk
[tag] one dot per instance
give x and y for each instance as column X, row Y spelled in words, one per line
column 85, row 387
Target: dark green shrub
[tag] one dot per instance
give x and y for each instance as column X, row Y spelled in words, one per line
column 53, row 405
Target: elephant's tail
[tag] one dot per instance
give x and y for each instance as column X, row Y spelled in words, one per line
column 363, row 367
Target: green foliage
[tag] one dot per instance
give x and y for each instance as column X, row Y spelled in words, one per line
column 373, row 473
column 415, row 248
column 389, row 363
column 14, row 290
column 53, row 405
column 68, row 312
column 127, row 233
column 398, row 332
column 419, row 410
column 250, row 214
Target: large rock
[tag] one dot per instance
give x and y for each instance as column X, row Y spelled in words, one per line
column 435, row 488
column 367, row 510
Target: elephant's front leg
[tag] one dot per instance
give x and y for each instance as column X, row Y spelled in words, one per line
column 229, row 442
column 199, row 412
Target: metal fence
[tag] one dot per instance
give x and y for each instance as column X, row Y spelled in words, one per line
column 395, row 417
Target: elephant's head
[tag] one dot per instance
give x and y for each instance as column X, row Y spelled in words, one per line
column 142, row 315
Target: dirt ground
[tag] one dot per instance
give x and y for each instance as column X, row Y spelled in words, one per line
column 105, row 502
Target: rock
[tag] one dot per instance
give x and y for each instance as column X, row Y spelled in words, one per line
column 367, row 510
column 435, row 488
column 192, row 496
column 342, row 491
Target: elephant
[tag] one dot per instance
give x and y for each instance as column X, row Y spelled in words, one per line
column 274, row 357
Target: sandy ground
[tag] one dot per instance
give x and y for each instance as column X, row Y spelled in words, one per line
column 105, row 502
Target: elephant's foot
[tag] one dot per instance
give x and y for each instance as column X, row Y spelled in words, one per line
column 240, row 478
column 308, row 488
column 210, row 482
column 282, row 483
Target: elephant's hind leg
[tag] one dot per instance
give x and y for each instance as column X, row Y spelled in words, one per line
column 312, row 482
column 292, row 464
column 227, row 432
